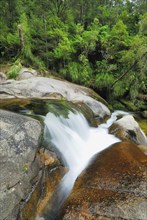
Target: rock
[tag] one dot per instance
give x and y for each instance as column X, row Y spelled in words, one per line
column 112, row 187
column 143, row 148
column 52, row 174
column 48, row 158
column 48, row 88
column 42, row 107
column 3, row 77
column 26, row 73
column 19, row 141
column 127, row 128
column 144, row 114
column 143, row 124
column 98, row 108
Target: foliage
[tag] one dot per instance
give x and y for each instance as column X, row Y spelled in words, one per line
column 104, row 80
column 91, row 42
column 14, row 70
column 78, row 72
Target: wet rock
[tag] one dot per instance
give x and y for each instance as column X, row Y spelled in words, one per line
column 48, row 88
column 127, row 128
column 143, row 149
column 39, row 107
column 19, row 140
column 51, row 175
column 112, row 187
column 48, row 158
column 143, row 124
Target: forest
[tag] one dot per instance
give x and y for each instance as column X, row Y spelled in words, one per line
column 101, row 44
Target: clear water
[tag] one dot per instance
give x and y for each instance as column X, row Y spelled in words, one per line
column 77, row 142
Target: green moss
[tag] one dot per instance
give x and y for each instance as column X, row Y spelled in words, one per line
column 143, row 125
column 128, row 105
column 25, row 167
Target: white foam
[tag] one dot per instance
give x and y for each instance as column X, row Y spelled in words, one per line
column 77, row 142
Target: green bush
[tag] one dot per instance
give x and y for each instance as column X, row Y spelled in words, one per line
column 14, row 70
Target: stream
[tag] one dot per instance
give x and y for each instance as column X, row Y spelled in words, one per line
column 76, row 143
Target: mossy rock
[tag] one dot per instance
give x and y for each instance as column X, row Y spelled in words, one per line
column 143, row 124
column 40, row 107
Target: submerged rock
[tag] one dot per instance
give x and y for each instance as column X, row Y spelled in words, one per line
column 48, row 88
column 127, row 128
column 19, row 141
column 112, row 187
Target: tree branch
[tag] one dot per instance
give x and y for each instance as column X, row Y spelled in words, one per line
column 125, row 73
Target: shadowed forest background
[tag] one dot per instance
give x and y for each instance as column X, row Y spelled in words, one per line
column 101, row 44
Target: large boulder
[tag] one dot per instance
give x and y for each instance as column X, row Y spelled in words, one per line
column 127, row 128
column 112, row 187
column 48, row 88
column 19, row 168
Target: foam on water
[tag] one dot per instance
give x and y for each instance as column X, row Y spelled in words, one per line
column 77, row 142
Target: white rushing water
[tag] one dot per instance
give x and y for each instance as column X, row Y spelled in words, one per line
column 77, row 142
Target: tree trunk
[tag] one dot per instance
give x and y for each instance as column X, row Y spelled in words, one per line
column 21, row 37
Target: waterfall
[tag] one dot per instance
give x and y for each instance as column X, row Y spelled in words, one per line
column 76, row 142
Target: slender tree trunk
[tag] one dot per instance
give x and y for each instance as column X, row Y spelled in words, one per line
column 21, row 37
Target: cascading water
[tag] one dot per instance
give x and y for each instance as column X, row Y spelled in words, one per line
column 77, row 142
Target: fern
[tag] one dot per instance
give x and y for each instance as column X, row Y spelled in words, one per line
column 119, row 89
column 104, row 80
column 14, row 70
column 77, row 72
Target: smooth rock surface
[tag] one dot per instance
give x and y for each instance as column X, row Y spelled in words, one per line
column 112, row 187
column 26, row 73
column 19, row 167
column 41, row 87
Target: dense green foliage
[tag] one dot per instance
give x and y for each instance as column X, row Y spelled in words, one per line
column 98, row 43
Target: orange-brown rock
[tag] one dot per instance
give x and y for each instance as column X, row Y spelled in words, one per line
column 50, row 176
column 47, row 157
column 143, row 148
column 112, row 187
